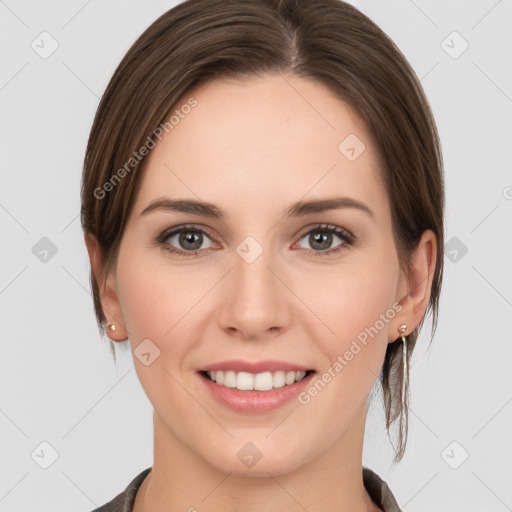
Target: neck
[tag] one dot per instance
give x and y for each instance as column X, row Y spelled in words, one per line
column 181, row 480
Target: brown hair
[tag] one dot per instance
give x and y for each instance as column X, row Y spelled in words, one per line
column 326, row 40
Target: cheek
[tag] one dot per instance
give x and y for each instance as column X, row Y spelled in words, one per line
column 349, row 300
column 157, row 302
column 155, row 296
column 357, row 306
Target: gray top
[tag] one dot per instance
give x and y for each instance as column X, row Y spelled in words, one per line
column 377, row 489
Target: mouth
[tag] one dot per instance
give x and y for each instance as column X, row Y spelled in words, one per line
column 255, row 387
column 264, row 381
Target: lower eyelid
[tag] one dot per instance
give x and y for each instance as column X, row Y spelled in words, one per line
column 174, row 249
column 345, row 237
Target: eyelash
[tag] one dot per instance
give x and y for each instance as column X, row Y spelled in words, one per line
column 347, row 237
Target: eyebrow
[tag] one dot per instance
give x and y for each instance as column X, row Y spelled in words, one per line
column 298, row 209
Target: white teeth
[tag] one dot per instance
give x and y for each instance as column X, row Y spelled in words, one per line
column 290, row 378
column 244, row 380
column 278, row 380
column 263, row 381
column 230, row 379
column 258, row 382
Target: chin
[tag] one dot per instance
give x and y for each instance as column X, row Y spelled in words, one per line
column 255, row 460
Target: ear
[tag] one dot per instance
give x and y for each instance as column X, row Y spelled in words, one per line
column 415, row 287
column 107, row 290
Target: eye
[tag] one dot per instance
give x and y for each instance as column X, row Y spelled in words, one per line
column 322, row 237
column 186, row 240
column 191, row 240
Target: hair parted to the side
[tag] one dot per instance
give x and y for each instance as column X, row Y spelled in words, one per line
column 329, row 41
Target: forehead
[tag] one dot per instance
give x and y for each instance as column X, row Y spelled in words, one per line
column 277, row 137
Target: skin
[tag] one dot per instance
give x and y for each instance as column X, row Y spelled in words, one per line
column 253, row 148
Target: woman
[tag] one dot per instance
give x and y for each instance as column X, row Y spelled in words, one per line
column 262, row 204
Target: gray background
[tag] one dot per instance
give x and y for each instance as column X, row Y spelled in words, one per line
column 59, row 383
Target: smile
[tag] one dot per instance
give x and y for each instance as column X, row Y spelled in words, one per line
column 265, row 381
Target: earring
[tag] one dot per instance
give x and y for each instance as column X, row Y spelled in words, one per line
column 112, row 327
column 402, row 330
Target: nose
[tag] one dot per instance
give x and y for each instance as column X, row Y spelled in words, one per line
column 255, row 305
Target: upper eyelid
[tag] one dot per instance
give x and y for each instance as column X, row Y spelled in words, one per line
column 339, row 230
column 172, row 231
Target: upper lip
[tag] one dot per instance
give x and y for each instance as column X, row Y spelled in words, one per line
column 239, row 365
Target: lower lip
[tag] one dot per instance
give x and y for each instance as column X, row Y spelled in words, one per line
column 255, row 402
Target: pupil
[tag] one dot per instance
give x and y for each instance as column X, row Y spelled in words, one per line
column 318, row 238
column 190, row 237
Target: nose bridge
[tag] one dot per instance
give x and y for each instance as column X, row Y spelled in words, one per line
column 257, row 301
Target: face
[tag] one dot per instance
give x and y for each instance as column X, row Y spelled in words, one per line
column 267, row 278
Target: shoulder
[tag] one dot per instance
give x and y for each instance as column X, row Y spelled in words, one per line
column 379, row 491
column 123, row 502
